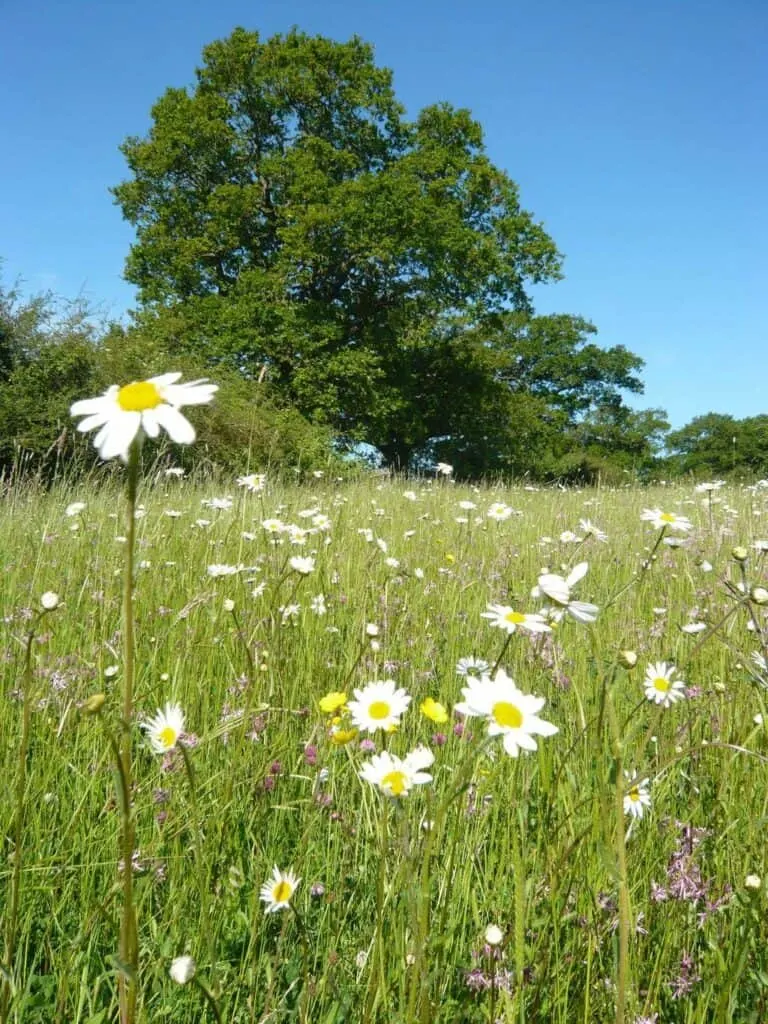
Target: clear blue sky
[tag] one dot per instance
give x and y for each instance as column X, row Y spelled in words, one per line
column 636, row 130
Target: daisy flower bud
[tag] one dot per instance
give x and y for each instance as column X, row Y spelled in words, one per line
column 182, row 969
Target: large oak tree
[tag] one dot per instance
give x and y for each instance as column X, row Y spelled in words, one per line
column 291, row 221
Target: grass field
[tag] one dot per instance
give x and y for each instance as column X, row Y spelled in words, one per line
column 605, row 908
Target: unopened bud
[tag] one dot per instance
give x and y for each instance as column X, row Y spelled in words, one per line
column 752, row 882
column 49, row 600
column 494, row 936
column 740, row 554
column 759, row 595
column 229, row 604
column 627, row 659
column 94, row 704
column 182, row 969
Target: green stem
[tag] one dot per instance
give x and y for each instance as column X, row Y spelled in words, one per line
column 623, row 979
column 129, row 950
column 202, row 881
column 208, row 996
column 18, row 835
column 373, row 987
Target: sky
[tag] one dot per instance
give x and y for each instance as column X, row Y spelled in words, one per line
column 635, row 130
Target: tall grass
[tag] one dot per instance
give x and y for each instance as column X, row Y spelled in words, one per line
column 604, row 918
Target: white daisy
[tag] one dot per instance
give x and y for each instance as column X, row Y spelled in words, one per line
column 660, row 685
column 164, row 730
column 471, row 666
column 303, row 566
column 278, row 890
column 274, row 525
column 588, row 528
column 499, row 512
column 636, row 796
column 124, row 413
column 671, row 520
column 509, row 712
column 396, row 776
column 709, row 486
column 558, row 591
column 506, row 618
column 218, row 569
column 253, row 482
column 379, row 705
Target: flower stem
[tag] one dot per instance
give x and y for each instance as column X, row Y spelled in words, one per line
column 18, row 833
column 202, row 881
column 129, row 950
column 623, row 980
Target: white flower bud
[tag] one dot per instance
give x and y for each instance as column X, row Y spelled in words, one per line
column 182, row 969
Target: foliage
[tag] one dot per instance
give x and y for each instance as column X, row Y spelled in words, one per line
column 291, row 221
column 47, row 360
column 720, row 445
column 53, row 352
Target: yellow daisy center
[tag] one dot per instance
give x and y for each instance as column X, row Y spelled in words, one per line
column 282, row 891
column 396, row 782
column 507, row 715
column 634, row 794
column 379, row 709
column 167, row 736
column 661, row 684
column 139, row 396
column 668, row 517
column 514, row 618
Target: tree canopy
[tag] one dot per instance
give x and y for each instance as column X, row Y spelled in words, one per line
column 291, row 221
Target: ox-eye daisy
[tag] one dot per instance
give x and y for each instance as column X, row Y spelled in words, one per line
column 558, row 591
column 508, row 711
column 253, row 482
column 165, row 729
column 636, row 796
column 278, row 890
column 670, row 520
column 506, row 618
column 378, row 706
column 395, row 776
column 660, row 685
column 124, row 413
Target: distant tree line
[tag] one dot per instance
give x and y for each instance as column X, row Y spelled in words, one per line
column 357, row 281
column 52, row 353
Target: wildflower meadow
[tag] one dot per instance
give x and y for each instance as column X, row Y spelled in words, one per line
column 377, row 748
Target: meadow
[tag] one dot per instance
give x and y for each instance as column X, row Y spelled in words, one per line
column 614, row 870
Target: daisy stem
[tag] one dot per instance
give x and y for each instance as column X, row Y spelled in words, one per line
column 645, row 565
column 198, row 847
column 208, row 996
column 380, row 965
column 18, row 833
column 129, row 950
column 518, row 867
column 623, row 979
column 306, row 990
column 501, row 654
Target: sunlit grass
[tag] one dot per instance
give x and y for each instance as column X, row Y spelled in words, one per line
column 389, row 919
